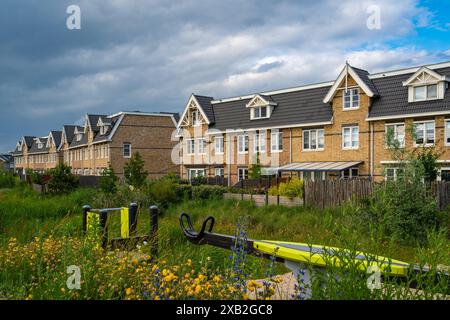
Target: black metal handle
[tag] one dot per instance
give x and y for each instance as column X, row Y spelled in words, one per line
column 189, row 231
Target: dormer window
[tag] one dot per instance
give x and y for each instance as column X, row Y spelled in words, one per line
column 79, row 136
column 259, row 113
column 104, row 129
column 351, row 99
column 426, row 84
column 425, row 92
column 261, row 107
column 40, row 145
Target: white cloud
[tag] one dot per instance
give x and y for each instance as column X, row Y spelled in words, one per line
column 151, row 55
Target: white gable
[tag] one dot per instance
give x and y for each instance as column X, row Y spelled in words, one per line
column 186, row 116
column 347, row 71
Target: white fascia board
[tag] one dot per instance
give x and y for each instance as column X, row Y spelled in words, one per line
column 314, row 124
column 341, row 77
column 116, row 126
column 186, row 108
column 410, row 115
column 101, row 141
column 408, row 70
column 269, row 93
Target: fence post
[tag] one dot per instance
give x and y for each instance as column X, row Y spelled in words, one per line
column 104, row 228
column 154, row 231
column 278, row 188
column 132, row 214
column 86, row 209
column 242, row 189
column 266, row 193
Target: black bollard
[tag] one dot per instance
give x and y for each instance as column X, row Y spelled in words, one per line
column 86, row 209
column 154, row 231
column 104, row 228
column 132, row 219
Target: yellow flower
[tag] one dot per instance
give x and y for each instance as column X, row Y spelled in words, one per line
column 216, row 279
column 128, row 291
column 198, row 289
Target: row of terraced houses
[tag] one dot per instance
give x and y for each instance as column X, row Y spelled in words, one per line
column 101, row 141
column 320, row 131
column 328, row 130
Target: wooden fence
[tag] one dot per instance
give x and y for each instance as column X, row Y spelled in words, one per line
column 331, row 193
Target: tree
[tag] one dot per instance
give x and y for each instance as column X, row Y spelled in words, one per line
column 108, row 181
column 62, row 180
column 428, row 158
column 255, row 169
column 134, row 172
column 402, row 208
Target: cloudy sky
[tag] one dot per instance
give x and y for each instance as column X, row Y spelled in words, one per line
column 151, row 55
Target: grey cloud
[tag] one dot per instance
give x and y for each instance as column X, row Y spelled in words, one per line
column 150, row 55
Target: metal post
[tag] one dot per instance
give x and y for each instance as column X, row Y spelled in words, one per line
column 104, row 228
column 154, row 230
column 132, row 220
column 86, row 209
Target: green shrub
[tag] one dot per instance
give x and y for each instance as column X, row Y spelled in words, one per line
column 108, row 181
column 183, row 191
column 7, row 180
column 162, row 192
column 207, row 192
column 62, row 180
column 291, row 189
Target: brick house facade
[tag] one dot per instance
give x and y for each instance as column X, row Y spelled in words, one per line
column 327, row 130
column 104, row 140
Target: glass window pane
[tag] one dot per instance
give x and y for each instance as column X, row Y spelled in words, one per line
column 420, row 93
column 321, row 140
column 280, row 141
column 401, row 134
column 447, row 132
column 314, row 139
column 419, row 133
column 306, row 140
column 432, row 91
column 263, row 112
column 430, row 132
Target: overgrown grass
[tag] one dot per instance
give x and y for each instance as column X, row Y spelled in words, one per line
column 25, row 215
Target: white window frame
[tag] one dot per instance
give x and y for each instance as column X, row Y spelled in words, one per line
column 309, row 140
column 197, row 171
column 242, row 173
column 201, row 146
column 425, row 133
column 395, row 125
column 426, row 91
column 218, row 144
column 275, row 138
column 447, row 132
column 259, row 142
column 352, row 95
column 190, row 147
column 395, row 176
column 123, row 150
column 219, row 172
column 242, row 143
column 253, row 112
column 351, row 136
